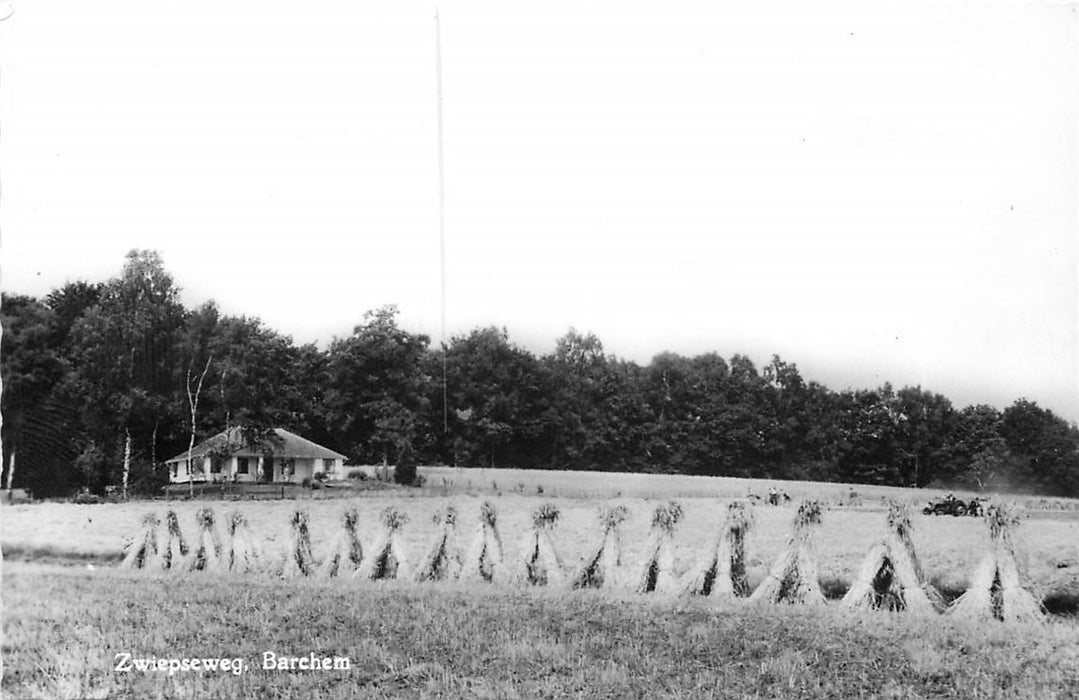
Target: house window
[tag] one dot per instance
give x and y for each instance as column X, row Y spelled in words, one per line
column 187, row 467
column 241, row 465
column 215, row 465
column 327, row 465
column 175, row 468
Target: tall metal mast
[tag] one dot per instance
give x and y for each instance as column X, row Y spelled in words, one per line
column 441, row 216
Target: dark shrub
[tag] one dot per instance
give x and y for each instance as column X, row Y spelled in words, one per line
column 405, row 469
column 146, row 479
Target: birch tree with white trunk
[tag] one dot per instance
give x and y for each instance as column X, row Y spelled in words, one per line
column 193, row 404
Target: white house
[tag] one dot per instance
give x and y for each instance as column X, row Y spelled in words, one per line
column 281, row 457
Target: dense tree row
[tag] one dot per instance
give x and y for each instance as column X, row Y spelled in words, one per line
column 100, row 382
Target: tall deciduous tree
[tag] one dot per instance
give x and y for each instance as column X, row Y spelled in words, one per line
column 977, row 454
column 255, row 382
column 581, row 387
column 686, row 396
column 377, row 388
column 495, row 394
column 32, row 368
column 70, row 302
column 123, row 350
column 1046, row 446
column 923, row 422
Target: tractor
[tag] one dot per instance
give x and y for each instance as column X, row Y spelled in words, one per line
column 950, row 505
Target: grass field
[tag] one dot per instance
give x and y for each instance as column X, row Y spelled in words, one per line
column 68, row 609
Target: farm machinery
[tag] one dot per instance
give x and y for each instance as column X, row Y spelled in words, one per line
column 950, row 505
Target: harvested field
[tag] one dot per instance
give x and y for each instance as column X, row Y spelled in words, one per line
column 567, row 484
column 949, row 548
column 511, row 640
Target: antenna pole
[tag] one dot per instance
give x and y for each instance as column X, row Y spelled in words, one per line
column 441, row 215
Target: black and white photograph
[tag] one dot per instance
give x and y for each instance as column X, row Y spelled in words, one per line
column 472, row 349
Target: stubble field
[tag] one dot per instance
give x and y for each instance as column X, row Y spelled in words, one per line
column 68, row 610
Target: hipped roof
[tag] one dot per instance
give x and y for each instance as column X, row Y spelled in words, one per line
column 281, row 444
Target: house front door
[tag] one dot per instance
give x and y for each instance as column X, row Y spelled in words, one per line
column 267, row 468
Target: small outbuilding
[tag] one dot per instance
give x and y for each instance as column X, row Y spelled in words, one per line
column 280, row 457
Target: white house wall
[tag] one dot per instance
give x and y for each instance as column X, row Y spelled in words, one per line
column 303, row 468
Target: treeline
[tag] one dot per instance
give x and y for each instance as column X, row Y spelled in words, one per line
column 94, row 373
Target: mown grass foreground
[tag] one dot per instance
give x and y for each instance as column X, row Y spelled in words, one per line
column 63, row 627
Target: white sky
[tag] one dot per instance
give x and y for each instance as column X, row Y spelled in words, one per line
column 875, row 190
